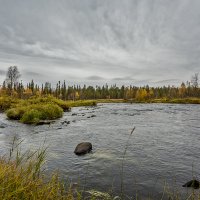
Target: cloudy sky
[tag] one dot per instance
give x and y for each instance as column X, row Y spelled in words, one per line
column 137, row 42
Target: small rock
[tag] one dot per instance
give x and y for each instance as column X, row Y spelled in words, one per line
column 74, row 114
column 73, row 121
column 67, row 109
column 93, row 115
column 83, row 148
column 2, row 126
column 65, row 122
column 193, row 183
column 45, row 122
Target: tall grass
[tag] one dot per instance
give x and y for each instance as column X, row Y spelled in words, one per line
column 21, row 178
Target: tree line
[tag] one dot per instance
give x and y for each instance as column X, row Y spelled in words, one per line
column 12, row 87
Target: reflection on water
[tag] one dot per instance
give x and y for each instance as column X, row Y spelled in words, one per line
column 164, row 147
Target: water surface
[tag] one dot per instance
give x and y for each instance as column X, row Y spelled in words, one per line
column 165, row 145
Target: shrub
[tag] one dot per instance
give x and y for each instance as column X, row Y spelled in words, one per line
column 31, row 117
column 35, row 113
column 7, row 102
column 16, row 113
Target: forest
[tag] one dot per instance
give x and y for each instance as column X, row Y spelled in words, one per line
column 12, row 87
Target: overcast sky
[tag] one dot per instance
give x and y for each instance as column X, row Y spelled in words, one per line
column 137, row 42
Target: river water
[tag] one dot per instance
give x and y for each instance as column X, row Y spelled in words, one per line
column 163, row 149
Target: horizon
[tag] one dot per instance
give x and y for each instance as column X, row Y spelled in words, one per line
column 117, row 82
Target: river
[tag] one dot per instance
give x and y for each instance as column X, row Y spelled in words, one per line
column 164, row 148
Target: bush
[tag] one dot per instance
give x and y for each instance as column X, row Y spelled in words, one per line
column 16, row 113
column 7, row 102
column 31, row 117
column 34, row 113
column 63, row 104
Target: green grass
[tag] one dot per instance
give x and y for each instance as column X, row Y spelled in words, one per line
column 33, row 114
column 111, row 101
column 168, row 100
column 81, row 103
column 177, row 100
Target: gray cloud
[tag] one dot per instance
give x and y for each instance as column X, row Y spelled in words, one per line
column 95, row 78
column 30, row 73
column 2, row 72
column 142, row 39
column 126, row 78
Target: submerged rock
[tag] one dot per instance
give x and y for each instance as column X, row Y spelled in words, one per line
column 83, row 148
column 66, row 109
column 91, row 116
column 2, row 126
column 65, row 122
column 193, row 183
column 45, row 122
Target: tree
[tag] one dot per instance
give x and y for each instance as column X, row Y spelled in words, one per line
column 182, row 90
column 194, row 81
column 12, row 77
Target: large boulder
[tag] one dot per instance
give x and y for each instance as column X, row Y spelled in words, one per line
column 83, row 148
column 193, row 183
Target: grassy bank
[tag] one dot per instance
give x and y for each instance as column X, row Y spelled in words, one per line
column 111, row 101
column 166, row 100
column 34, row 110
column 163, row 100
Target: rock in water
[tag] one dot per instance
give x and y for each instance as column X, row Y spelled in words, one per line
column 83, row 148
column 45, row 122
column 193, row 183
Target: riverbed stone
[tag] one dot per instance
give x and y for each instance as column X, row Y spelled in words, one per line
column 45, row 122
column 193, row 183
column 83, row 148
